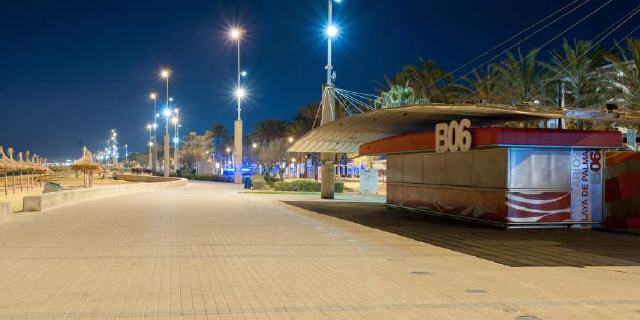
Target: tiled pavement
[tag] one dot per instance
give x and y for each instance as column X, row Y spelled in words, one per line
column 207, row 252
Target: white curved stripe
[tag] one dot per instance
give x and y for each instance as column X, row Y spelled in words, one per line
column 515, row 206
column 528, row 219
column 534, row 201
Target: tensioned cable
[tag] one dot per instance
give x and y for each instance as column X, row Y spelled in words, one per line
column 517, row 35
column 318, row 112
column 357, row 93
column 548, row 42
column 515, row 44
column 607, row 32
column 619, row 23
column 349, row 99
column 632, row 32
column 356, row 99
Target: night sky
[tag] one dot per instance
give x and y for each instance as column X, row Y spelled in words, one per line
column 73, row 69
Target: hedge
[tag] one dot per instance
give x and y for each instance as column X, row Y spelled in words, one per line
column 207, row 177
column 304, row 186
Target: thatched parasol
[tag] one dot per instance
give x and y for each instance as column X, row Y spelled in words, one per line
column 86, row 165
column 5, row 167
column 14, row 168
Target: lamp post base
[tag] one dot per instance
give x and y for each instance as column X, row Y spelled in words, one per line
column 167, row 160
column 328, row 176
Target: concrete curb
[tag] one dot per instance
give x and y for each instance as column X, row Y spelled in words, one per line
column 54, row 199
column 5, row 210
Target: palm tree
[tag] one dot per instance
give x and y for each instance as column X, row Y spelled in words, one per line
column 430, row 83
column 265, row 131
column 484, row 87
column 519, row 77
column 626, row 73
column 220, row 139
column 309, row 115
column 578, row 67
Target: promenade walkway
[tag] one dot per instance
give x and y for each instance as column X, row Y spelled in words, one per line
column 206, row 251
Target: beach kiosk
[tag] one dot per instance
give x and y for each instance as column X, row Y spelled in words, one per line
column 515, row 177
column 480, row 163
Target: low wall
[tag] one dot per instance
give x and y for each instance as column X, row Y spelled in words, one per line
column 53, row 199
column 136, row 178
column 5, row 210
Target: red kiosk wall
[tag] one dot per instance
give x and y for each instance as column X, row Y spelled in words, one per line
column 622, row 190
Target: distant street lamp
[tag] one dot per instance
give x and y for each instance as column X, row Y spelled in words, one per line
column 153, row 146
column 176, row 138
column 165, row 74
column 150, row 128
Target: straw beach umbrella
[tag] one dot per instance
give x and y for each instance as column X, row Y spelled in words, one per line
column 86, row 165
column 14, row 168
column 5, row 168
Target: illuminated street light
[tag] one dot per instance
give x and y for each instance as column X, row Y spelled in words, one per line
column 332, row 31
column 290, row 139
column 254, row 145
column 166, row 112
column 235, row 33
column 240, row 93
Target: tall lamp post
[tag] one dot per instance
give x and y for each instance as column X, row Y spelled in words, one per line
column 114, row 137
column 165, row 73
column 176, row 139
column 327, row 159
column 236, row 35
column 150, row 128
column 153, row 145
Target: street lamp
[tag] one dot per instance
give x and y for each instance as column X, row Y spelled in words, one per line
column 153, row 160
column 150, row 128
column 327, row 159
column 236, row 35
column 176, row 139
column 165, row 74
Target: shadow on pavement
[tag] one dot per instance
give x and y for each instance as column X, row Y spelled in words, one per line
column 516, row 248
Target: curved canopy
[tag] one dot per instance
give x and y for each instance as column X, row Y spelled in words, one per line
column 347, row 134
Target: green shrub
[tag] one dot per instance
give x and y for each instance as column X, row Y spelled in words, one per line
column 271, row 180
column 208, row 177
column 304, row 186
column 259, row 183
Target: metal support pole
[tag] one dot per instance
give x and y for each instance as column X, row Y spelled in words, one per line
column 154, row 146
column 327, row 159
column 561, row 103
column 167, row 160
column 237, row 130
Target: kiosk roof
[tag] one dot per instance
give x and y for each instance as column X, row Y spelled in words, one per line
column 347, row 134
